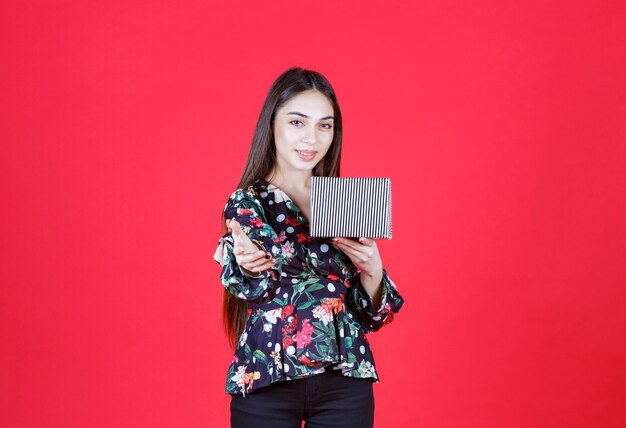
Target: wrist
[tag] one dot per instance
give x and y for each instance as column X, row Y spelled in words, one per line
column 377, row 273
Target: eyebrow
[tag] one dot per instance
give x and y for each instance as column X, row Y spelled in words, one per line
column 304, row 115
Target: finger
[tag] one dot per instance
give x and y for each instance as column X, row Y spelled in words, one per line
column 239, row 248
column 260, row 267
column 259, row 261
column 251, row 257
column 351, row 252
column 367, row 241
column 349, row 243
column 242, row 254
column 241, row 237
column 242, row 248
column 237, row 231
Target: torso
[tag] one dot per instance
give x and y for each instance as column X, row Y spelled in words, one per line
column 302, row 199
column 303, row 202
column 303, row 325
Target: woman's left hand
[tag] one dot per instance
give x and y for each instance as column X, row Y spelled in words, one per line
column 363, row 253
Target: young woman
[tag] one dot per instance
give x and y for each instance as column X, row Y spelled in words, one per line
column 296, row 309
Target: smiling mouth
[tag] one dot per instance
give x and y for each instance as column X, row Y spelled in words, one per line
column 306, row 154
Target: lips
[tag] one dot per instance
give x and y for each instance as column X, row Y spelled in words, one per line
column 306, row 155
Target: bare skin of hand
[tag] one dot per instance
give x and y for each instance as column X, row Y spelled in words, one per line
column 365, row 256
column 247, row 253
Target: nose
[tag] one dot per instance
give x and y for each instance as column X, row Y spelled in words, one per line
column 310, row 136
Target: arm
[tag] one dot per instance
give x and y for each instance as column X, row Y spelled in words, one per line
column 363, row 304
column 253, row 287
column 373, row 286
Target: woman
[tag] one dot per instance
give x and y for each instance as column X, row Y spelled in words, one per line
column 296, row 308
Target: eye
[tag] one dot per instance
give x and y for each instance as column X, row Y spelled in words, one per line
column 327, row 125
column 295, row 120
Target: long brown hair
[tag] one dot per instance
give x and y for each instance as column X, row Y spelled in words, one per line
column 262, row 157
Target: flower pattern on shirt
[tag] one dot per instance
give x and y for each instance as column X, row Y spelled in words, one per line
column 309, row 310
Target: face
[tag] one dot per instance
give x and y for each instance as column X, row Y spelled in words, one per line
column 303, row 131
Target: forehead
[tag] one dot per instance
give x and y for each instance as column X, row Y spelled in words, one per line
column 312, row 103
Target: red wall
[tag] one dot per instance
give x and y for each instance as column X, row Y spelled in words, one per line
column 125, row 126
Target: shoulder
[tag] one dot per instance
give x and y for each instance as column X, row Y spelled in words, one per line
column 245, row 197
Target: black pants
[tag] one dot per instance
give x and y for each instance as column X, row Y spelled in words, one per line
column 328, row 399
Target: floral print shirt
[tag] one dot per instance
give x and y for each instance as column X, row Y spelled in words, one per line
column 309, row 310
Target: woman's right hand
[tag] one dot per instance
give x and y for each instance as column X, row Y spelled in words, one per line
column 247, row 253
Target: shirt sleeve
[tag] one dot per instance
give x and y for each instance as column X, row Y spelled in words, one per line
column 253, row 287
column 358, row 299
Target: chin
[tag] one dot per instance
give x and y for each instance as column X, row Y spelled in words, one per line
column 305, row 168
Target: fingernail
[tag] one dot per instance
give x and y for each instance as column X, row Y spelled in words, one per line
column 267, row 256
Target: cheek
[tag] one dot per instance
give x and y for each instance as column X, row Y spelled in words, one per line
column 282, row 139
column 284, row 135
column 328, row 143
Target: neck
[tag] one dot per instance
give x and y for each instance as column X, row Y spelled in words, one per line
column 297, row 180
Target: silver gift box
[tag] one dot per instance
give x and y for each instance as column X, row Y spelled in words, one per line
column 350, row 207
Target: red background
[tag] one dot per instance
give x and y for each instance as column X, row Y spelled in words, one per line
column 126, row 125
